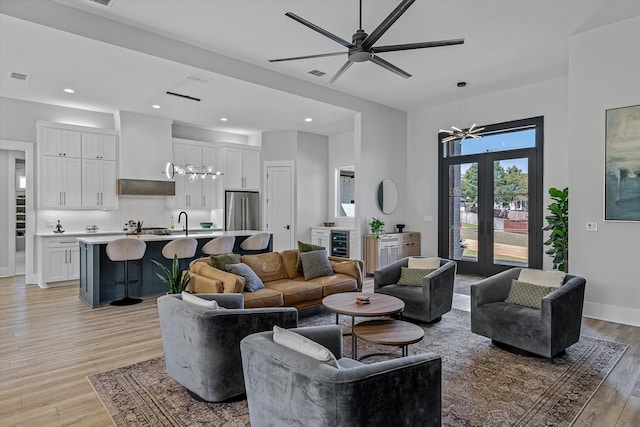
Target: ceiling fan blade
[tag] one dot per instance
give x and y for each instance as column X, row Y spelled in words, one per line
column 344, row 68
column 322, row 55
column 322, row 31
column 388, row 22
column 409, row 46
column 389, row 66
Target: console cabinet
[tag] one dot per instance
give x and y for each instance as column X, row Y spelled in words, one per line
column 389, row 248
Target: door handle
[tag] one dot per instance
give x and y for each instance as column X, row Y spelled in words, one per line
column 287, row 227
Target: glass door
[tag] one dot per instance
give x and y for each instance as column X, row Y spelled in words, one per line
column 490, row 214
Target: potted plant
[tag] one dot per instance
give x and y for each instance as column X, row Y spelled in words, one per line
column 558, row 224
column 175, row 279
column 377, row 227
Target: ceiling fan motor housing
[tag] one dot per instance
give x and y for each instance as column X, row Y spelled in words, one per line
column 357, row 53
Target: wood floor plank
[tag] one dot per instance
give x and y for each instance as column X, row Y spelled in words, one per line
column 50, row 341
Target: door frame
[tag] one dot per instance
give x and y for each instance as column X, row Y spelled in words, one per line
column 536, row 196
column 265, row 216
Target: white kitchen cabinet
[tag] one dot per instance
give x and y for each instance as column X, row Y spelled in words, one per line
column 60, row 182
column 211, row 188
column 321, row 237
column 98, row 146
column 203, row 193
column 61, row 260
column 241, row 168
column 99, row 184
column 60, row 142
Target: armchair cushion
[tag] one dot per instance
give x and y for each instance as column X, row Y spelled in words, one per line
column 422, row 262
column 304, row 345
column 251, row 281
column 542, row 278
column 527, row 294
column 413, row 276
column 315, row 264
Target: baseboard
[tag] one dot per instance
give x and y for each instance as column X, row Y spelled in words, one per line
column 612, row 313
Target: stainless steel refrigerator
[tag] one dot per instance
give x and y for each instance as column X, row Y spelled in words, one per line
column 242, row 210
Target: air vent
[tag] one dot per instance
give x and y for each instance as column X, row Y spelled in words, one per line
column 105, row 3
column 196, row 78
column 20, row 76
column 317, row 73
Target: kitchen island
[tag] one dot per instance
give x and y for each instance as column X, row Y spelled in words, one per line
column 98, row 273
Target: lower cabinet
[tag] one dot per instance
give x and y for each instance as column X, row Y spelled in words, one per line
column 389, row 248
column 61, row 260
column 321, row 237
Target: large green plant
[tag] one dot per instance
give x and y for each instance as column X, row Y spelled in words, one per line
column 558, row 224
column 173, row 278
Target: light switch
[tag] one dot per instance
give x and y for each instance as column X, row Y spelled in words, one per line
column 592, row 226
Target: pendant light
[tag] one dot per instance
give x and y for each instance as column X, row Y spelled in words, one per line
column 459, row 133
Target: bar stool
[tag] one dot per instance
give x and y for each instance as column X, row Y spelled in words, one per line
column 256, row 242
column 182, row 248
column 126, row 250
column 219, row 245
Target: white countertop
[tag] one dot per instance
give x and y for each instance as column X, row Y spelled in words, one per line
column 92, row 239
column 79, row 233
column 334, row 228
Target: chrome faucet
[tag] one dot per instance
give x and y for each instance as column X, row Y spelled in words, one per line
column 186, row 222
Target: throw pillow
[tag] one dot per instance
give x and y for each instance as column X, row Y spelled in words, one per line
column 193, row 299
column 527, row 294
column 542, row 278
column 251, row 280
column 420, row 262
column 315, row 264
column 305, row 247
column 304, row 345
column 220, row 261
column 413, row 276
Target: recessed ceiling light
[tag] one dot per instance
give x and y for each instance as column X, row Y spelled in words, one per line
column 223, row 119
column 308, row 119
column 156, row 106
column 69, row 90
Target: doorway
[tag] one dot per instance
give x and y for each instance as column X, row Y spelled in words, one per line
column 279, row 204
column 490, row 193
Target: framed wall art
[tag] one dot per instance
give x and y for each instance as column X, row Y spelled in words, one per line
column 622, row 164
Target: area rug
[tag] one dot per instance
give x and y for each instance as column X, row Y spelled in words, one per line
column 482, row 385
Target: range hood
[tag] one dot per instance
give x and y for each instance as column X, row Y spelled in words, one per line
column 145, row 187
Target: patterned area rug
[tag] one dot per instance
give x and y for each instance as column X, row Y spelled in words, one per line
column 482, row 385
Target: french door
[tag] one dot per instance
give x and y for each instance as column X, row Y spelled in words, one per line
column 490, row 215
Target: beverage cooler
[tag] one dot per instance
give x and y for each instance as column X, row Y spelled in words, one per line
column 340, row 243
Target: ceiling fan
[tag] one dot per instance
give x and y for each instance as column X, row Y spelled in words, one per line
column 362, row 48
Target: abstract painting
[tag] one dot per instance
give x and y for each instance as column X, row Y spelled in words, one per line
column 622, row 164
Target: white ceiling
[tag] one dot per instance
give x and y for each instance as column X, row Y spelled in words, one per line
column 508, row 43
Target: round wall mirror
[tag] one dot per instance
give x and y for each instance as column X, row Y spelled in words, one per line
column 387, row 196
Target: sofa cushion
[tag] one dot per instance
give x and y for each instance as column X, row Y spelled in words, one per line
column 267, row 266
column 304, row 345
column 231, row 283
column 334, row 284
column 194, row 299
column 290, row 261
column 413, row 276
column 295, row 291
column 251, row 281
column 203, row 285
column 542, row 278
column 264, row 297
column 527, row 294
column 421, row 262
column 315, row 264
column 305, row 247
column 220, row 261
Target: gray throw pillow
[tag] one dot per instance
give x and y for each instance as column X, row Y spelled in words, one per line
column 527, row 294
column 251, row 280
column 315, row 264
column 305, row 247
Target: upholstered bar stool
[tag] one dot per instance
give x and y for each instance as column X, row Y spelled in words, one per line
column 219, row 245
column 183, row 248
column 256, row 242
column 126, row 250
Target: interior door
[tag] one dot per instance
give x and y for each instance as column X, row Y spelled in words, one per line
column 280, row 206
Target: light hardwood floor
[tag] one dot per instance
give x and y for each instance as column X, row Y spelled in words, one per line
column 50, row 341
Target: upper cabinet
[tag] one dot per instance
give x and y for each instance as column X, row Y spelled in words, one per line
column 241, row 168
column 197, row 192
column 77, row 167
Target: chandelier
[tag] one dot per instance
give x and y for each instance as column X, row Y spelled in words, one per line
column 461, row 134
column 194, row 173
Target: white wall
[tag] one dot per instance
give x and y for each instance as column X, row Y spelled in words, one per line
column 548, row 99
column 341, row 153
column 207, row 135
column 7, row 183
column 312, row 182
column 603, row 73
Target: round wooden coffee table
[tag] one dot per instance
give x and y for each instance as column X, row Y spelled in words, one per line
column 389, row 332
column 345, row 303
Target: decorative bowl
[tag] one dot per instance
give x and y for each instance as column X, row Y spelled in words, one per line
column 328, row 224
column 206, row 224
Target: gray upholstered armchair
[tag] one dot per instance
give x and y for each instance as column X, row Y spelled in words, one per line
column 546, row 332
column 426, row 303
column 286, row 388
column 202, row 346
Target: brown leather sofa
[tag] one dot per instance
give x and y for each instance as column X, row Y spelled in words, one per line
column 284, row 285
